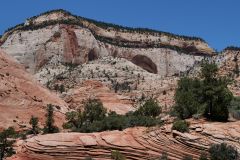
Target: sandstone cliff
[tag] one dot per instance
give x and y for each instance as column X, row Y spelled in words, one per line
column 60, row 37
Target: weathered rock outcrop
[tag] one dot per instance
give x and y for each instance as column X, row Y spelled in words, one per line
column 145, row 63
column 59, row 37
column 95, row 89
column 134, row 143
column 21, row 96
column 229, row 62
column 116, row 81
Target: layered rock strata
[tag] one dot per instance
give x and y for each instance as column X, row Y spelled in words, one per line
column 135, row 143
column 59, row 37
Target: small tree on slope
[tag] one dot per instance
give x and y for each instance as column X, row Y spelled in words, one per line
column 6, row 149
column 49, row 125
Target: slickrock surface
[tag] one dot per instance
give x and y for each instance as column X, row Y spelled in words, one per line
column 95, row 89
column 21, row 96
column 135, row 143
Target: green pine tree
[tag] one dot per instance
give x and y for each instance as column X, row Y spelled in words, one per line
column 49, row 125
column 216, row 95
column 34, row 122
column 6, row 143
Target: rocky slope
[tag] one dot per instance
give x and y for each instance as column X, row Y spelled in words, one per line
column 134, row 143
column 229, row 61
column 117, row 78
column 94, row 89
column 21, row 96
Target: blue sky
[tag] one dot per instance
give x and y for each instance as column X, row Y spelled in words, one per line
column 216, row 21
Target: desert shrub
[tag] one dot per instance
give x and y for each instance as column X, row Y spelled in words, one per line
column 49, row 124
column 71, row 66
column 74, row 120
column 116, row 155
column 139, row 120
column 118, row 122
column 94, row 110
column 234, row 108
column 56, row 87
column 95, row 119
column 125, row 86
column 203, row 156
column 150, row 108
column 114, row 122
column 57, row 35
column 236, row 69
column 164, row 92
column 34, row 125
column 187, row 158
column 62, row 88
column 23, row 135
column 6, row 143
column 222, row 152
column 87, row 127
column 180, row 125
column 164, row 156
column 89, row 120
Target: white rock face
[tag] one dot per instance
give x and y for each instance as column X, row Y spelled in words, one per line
column 24, row 46
column 62, row 43
column 168, row 62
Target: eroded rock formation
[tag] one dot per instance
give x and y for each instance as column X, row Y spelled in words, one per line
column 95, row 89
column 59, row 37
column 21, row 96
column 145, row 63
column 135, row 143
